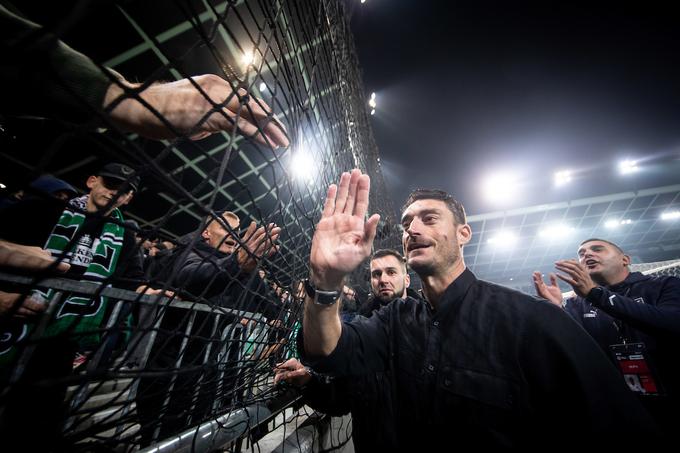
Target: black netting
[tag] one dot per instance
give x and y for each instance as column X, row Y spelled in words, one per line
column 137, row 369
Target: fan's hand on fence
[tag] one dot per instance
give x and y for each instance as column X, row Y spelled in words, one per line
column 257, row 243
column 188, row 111
column 27, row 258
column 293, row 372
column 12, row 305
column 276, row 323
column 342, row 239
column 148, row 291
column 551, row 292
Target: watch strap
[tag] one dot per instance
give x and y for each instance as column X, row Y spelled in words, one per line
column 321, row 297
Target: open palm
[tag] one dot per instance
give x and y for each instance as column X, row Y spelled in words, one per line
column 551, row 292
column 342, row 239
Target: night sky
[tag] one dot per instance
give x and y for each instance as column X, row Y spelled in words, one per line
column 466, row 89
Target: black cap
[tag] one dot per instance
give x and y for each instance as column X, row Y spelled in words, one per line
column 122, row 173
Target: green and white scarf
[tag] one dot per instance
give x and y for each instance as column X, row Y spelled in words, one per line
column 80, row 316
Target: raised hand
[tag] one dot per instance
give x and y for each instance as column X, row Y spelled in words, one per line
column 257, row 242
column 550, row 292
column 342, row 239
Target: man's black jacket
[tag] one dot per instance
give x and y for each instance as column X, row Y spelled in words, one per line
column 491, row 367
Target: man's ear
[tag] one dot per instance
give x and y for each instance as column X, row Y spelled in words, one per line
column 91, row 181
column 407, row 280
column 626, row 260
column 464, row 233
column 206, row 235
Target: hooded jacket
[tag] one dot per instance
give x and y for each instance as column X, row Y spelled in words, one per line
column 640, row 309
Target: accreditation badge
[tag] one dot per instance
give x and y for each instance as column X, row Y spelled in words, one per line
column 636, row 369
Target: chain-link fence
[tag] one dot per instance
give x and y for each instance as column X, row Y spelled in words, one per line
column 188, row 365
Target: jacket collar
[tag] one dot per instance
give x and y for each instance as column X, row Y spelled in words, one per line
column 633, row 277
column 456, row 291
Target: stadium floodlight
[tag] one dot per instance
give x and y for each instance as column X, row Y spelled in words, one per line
column 263, row 86
column 248, row 58
column 500, row 187
column 503, row 240
column 562, row 177
column 371, row 102
column 628, row 166
column 670, row 215
column 363, row 1
column 556, row 231
column 613, row 223
column 2, row 186
column 372, row 111
column 302, row 165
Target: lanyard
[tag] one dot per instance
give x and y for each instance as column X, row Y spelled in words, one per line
column 619, row 325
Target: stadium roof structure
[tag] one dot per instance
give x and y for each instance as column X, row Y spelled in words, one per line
column 301, row 61
column 507, row 246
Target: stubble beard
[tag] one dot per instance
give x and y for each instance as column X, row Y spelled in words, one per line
column 436, row 266
column 395, row 295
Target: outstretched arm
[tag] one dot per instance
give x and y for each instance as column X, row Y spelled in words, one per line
column 27, row 258
column 45, row 77
column 198, row 107
column 342, row 240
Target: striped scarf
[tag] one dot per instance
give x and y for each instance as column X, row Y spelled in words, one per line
column 80, row 317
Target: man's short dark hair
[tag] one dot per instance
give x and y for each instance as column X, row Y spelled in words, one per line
column 389, row 252
column 604, row 240
column 455, row 206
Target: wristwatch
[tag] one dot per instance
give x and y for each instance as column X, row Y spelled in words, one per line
column 320, row 296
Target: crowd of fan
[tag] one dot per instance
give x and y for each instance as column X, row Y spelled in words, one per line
column 90, row 240
column 219, row 268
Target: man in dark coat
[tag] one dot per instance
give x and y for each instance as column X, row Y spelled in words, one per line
column 200, row 343
column 635, row 319
column 473, row 364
